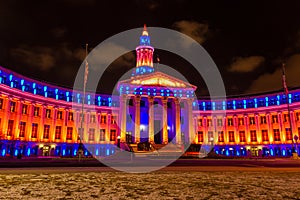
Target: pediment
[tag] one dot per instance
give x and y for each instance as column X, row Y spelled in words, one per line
column 158, row 79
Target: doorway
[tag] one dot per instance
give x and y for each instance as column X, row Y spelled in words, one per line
column 157, row 132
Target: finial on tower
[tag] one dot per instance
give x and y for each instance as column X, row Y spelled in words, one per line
column 145, row 32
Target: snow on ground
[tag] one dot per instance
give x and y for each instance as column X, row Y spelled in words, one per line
column 155, row 185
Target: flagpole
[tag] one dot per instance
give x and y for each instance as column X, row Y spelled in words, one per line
column 80, row 149
column 288, row 104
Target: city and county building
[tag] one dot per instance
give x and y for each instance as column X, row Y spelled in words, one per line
column 40, row 119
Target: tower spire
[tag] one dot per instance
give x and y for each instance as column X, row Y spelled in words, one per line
column 144, row 55
column 145, row 32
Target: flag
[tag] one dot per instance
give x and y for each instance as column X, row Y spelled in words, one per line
column 284, row 80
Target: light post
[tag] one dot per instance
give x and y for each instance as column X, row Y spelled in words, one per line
column 211, row 141
column 118, row 141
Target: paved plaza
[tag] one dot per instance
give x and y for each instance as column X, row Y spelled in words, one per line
column 173, row 182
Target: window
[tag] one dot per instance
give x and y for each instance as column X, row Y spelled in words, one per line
column 209, row 123
column 230, row 122
column 36, row 111
column 91, row 134
column 297, row 116
column 48, row 113
column 22, row 129
column 231, row 136
column 251, row 120
column 12, row 106
column 199, row 122
column 242, row 136
column 113, row 119
column 285, row 117
column 1, row 103
column 69, row 133
column 263, row 120
column 112, row 135
column 265, row 137
column 103, row 119
column 93, row 119
column 46, row 131
column 24, row 109
column 59, row 114
column 70, row 116
column 276, row 135
column 253, row 136
column 274, row 119
column 102, row 134
column 220, row 122
column 220, row 136
column 289, row 135
column 200, row 136
column 34, row 130
column 58, row 132
column 241, row 121
column 10, row 127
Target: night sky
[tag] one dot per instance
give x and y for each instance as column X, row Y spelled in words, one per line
column 248, row 40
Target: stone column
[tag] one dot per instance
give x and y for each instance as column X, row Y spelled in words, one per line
column 190, row 121
column 165, row 120
column 151, row 119
column 29, row 125
column 281, row 127
column 137, row 117
column 18, row 115
column 6, row 115
column 64, row 125
column 236, row 130
column 258, row 129
column 247, row 131
column 122, row 120
column 270, row 131
column 41, row 125
column 53, row 125
column 177, row 121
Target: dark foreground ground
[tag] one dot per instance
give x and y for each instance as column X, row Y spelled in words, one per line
column 183, row 179
column 90, row 162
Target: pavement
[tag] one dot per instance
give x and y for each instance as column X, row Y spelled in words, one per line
column 189, row 164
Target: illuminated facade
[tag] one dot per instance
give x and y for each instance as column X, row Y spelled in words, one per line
column 39, row 119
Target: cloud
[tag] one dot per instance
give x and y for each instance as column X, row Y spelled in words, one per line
column 59, row 32
column 273, row 81
column 198, row 31
column 45, row 58
column 38, row 57
column 246, row 64
column 110, row 53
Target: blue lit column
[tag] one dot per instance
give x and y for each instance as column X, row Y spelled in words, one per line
column 165, row 120
column 137, row 118
column 177, row 121
column 151, row 119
